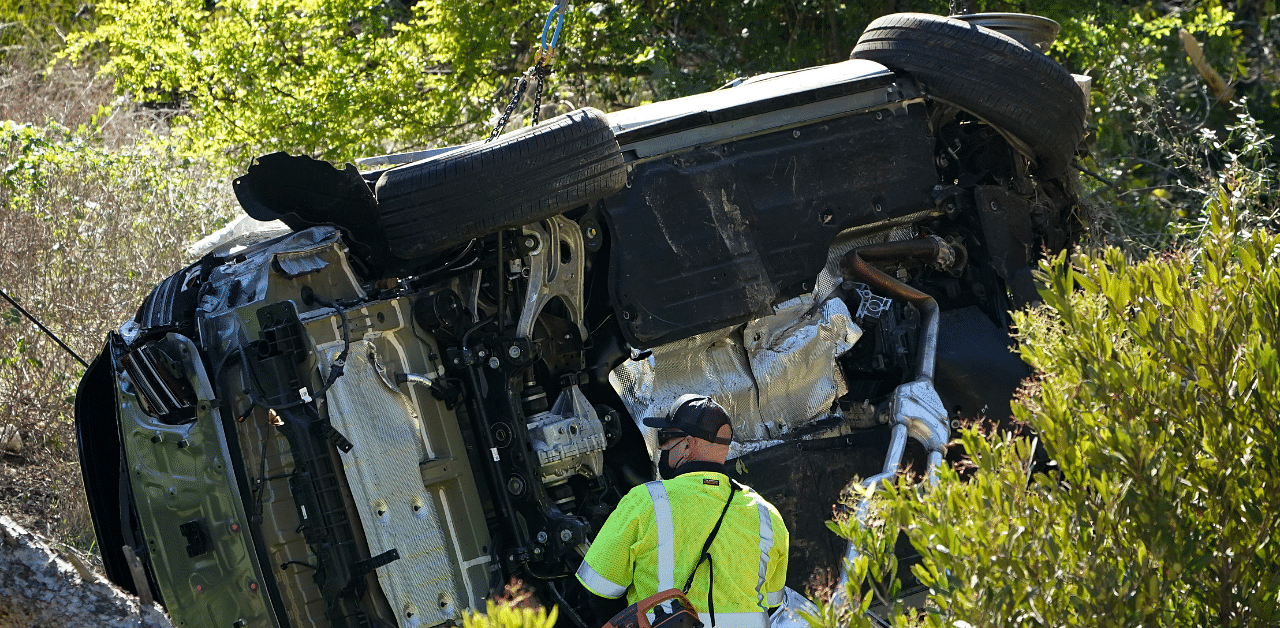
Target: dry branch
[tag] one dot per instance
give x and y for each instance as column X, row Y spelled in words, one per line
column 1222, row 90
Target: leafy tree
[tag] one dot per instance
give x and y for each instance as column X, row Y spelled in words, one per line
column 1159, row 126
column 34, row 28
column 337, row 78
column 1157, row 398
column 333, row 76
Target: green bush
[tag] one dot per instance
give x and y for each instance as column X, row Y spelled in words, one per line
column 1157, row 397
column 511, row 615
column 1159, row 128
column 88, row 231
column 37, row 28
column 334, row 78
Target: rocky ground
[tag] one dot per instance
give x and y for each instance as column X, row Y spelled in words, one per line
column 50, row 573
column 41, row 488
column 42, row 586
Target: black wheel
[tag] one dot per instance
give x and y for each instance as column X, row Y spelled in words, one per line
column 521, row 177
column 1016, row 88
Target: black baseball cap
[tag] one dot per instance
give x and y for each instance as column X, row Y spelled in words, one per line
column 696, row 415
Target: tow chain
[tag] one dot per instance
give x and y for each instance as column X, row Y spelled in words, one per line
column 540, row 70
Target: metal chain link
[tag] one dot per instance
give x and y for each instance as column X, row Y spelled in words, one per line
column 521, row 86
column 539, row 71
column 542, row 72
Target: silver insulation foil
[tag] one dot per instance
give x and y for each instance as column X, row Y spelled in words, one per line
column 383, row 472
column 773, row 374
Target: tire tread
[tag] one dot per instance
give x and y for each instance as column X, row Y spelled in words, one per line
column 987, row 73
column 521, row 177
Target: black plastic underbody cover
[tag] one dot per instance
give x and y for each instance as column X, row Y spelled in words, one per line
column 713, row 235
column 303, row 192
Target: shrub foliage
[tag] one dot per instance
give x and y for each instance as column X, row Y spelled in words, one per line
column 88, row 231
column 1157, row 399
column 511, row 614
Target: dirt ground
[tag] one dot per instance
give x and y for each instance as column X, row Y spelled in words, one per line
column 41, row 487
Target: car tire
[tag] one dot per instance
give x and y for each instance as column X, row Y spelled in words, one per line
column 521, row 177
column 1011, row 86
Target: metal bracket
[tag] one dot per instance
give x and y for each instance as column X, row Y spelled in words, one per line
column 870, row 304
column 369, row 565
column 556, row 262
column 332, row 435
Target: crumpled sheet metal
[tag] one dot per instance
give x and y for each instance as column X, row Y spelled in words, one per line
column 772, row 374
column 301, row 253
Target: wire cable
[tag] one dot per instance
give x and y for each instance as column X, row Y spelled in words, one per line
column 44, row 329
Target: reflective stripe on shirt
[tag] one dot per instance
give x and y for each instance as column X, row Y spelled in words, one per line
column 737, row 620
column 648, row 547
column 599, row 584
column 766, row 544
column 666, row 560
column 666, row 535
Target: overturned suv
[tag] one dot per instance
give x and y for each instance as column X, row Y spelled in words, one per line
column 429, row 384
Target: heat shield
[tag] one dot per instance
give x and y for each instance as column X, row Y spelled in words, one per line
column 773, row 374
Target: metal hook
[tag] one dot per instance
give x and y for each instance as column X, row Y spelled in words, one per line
column 544, row 51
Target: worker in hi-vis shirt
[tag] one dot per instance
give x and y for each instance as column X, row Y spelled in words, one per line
column 655, row 539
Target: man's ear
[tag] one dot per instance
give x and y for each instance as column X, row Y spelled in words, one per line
column 714, row 452
column 725, row 432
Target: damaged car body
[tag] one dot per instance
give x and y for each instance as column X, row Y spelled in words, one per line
column 431, row 383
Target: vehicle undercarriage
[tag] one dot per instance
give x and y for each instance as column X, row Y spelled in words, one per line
column 430, row 384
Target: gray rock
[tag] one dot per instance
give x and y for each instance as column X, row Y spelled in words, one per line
column 10, row 440
column 40, row 588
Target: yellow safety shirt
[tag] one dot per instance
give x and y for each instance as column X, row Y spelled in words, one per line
column 652, row 542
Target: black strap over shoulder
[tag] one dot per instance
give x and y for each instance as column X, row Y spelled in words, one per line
column 706, row 555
